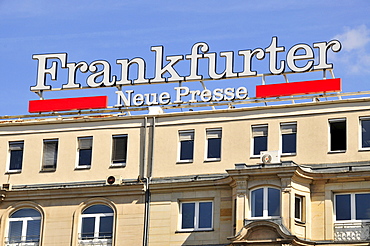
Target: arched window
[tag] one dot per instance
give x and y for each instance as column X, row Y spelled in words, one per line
column 24, row 227
column 97, row 224
column 265, row 202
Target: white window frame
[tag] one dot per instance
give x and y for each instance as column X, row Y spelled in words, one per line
column 120, row 164
column 360, row 134
column 97, row 217
column 9, row 157
column 287, row 124
column 192, row 136
column 265, row 203
column 77, row 166
column 329, row 134
column 252, row 155
column 196, row 216
column 300, row 198
column 353, row 208
column 208, row 130
column 43, row 168
column 24, row 229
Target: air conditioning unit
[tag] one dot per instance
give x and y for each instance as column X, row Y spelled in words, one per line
column 113, row 180
column 270, row 157
column 6, row 187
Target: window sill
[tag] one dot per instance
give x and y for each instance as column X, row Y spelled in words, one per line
column 184, row 162
column 82, row 167
column 336, row 151
column 212, row 160
column 191, row 231
column 47, row 170
column 254, row 157
column 299, row 222
column 288, row 154
column 117, row 165
column 364, row 149
column 13, row 171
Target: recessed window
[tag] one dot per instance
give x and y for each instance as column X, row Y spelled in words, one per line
column 97, row 225
column 352, row 206
column 16, row 156
column 298, row 205
column 24, row 227
column 186, row 146
column 119, row 153
column 288, row 138
column 259, row 139
column 214, row 144
column 265, row 202
column 84, row 152
column 196, row 215
column 365, row 133
column 338, row 135
column 50, row 155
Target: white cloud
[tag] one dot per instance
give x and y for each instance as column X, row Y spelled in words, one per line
column 355, row 54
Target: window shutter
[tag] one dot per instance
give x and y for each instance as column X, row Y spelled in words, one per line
column 186, row 135
column 259, row 131
column 50, row 153
column 16, row 146
column 85, row 143
column 214, row 133
column 288, row 129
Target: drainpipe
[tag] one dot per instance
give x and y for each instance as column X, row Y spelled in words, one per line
column 148, row 173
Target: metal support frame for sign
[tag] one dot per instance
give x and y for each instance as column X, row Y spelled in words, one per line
column 119, row 87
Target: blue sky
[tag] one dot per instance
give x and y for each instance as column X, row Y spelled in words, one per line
column 110, row 30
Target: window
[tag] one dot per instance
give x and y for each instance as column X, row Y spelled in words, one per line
column 119, row 150
column 338, row 135
column 259, row 138
column 214, row 144
column 288, row 138
column 84, row 152
column 352, row 206
column 196, row 215
column 298, row 205
column 365, row 133
column 186, row 146
column 16, row 156
column 97, row 224
column 24, row 227
column 265, row 202
column 50, row 154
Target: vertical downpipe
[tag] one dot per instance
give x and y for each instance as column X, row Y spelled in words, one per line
column 147, row 179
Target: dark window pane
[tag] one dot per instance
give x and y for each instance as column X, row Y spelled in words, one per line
column 33, row 230
column 119, row 149
column 188, row 212
column 257, row 203
column 15, row 231
column 26, row 212
column 186, row 150
column 289, row 143
column 298, row 208
column 260, row 144
column 365, row 133
column 84, row 157
column 338, row 136
column 343, row 207
column 273, row 202
column 94, row 209
column 362, row 206
column 16, row 157
column 106, row 227
column 87, row 230
column 205, row 215
column 214, row 148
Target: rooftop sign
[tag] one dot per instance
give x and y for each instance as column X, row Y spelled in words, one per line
column 101, row 76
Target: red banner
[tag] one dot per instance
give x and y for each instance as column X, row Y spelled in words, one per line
column 65, row 104
column 298, row 88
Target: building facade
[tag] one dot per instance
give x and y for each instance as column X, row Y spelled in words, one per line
column 190, row 178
